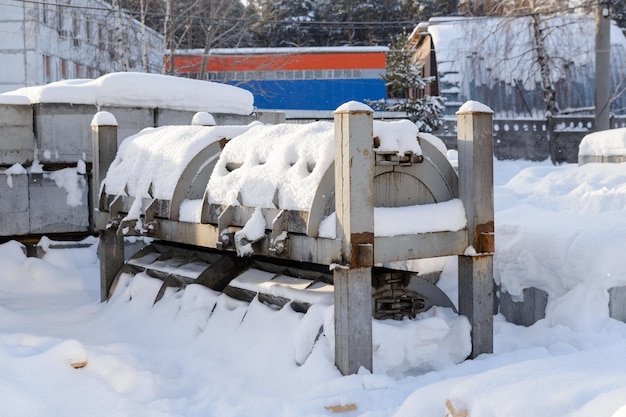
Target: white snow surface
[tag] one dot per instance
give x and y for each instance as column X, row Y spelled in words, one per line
column 133, row 89
column 15, row 169
column 393, row 221
column 399, row 136
column 200, row 353
column 103, row 118
column 203, row 118
column 353, row 106
column 257, row 164
column 286, row 159
column 604, row 143
column 14, row 99
column 156, row 157
column 473, row 106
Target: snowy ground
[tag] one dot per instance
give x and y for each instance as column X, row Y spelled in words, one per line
column 562, row 229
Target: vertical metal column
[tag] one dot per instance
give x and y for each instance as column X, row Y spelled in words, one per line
column 354, row 206
column 476, row 285
column 111, row 246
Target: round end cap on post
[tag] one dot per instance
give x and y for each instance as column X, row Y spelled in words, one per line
column 353, row 107
column 103, row 118
column 474, row 107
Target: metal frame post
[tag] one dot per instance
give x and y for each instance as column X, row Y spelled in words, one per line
column 476, row 284
column 354, row 206
column 111, row 246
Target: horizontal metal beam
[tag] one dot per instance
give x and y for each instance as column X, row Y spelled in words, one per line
column 419, row 246
column 310, row 249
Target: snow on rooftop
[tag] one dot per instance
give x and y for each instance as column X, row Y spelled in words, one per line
column 498, row 49
column 132, row 89
column 604, row 143
column 284, row 50
column 13, row 99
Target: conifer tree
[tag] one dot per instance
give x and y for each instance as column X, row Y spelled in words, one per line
column 405, row 87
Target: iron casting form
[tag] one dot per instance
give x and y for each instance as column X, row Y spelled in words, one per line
column 291, row 248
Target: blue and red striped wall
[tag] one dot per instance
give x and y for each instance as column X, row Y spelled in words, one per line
column 294, row 78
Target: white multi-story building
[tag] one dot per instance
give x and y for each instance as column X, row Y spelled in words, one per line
column 42, row 41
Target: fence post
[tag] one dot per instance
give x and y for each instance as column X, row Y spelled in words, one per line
column 354, row 206
column 111, row 246
column 476, row 284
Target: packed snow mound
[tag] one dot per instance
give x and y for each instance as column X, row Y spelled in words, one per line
column 288, row 159
column 398, row 136
column 199, row 353
column 604, row 143
column 132, row 89
column 291, row 160
column 262, row 163
column 150, row 163
column 563, row 231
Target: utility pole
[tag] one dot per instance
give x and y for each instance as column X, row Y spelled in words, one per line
column 603, row 66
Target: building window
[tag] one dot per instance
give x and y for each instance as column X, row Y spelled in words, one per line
column 46, row 12
column 88, row 30
column 101, row 36
column 64, row 70
column 60, row 19
column 47, row 69
column 75, row 25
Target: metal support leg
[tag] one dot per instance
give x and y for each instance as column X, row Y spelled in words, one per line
column 111, row 249
column 353, row 319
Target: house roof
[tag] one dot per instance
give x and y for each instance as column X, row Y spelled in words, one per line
column 485, row 53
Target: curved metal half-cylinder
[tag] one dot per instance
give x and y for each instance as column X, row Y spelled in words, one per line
column 433, row 180
column 195, row 177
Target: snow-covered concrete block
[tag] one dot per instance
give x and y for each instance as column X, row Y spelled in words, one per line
column 14, row 204
column 58, row 202
column 17, row 140
column 223, row 119
column 526, row 312
column 63, row 132
column 169, row 117
column 617, row 303
column 130, row 120
column 604, row 146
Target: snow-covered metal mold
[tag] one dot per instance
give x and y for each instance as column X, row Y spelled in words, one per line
column 333, row 202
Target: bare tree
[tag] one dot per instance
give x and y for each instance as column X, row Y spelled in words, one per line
column 120, row 44
column 526, row 38
column 143, row 8
column 223, row 23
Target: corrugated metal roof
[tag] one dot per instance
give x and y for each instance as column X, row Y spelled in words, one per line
column 492, row 60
